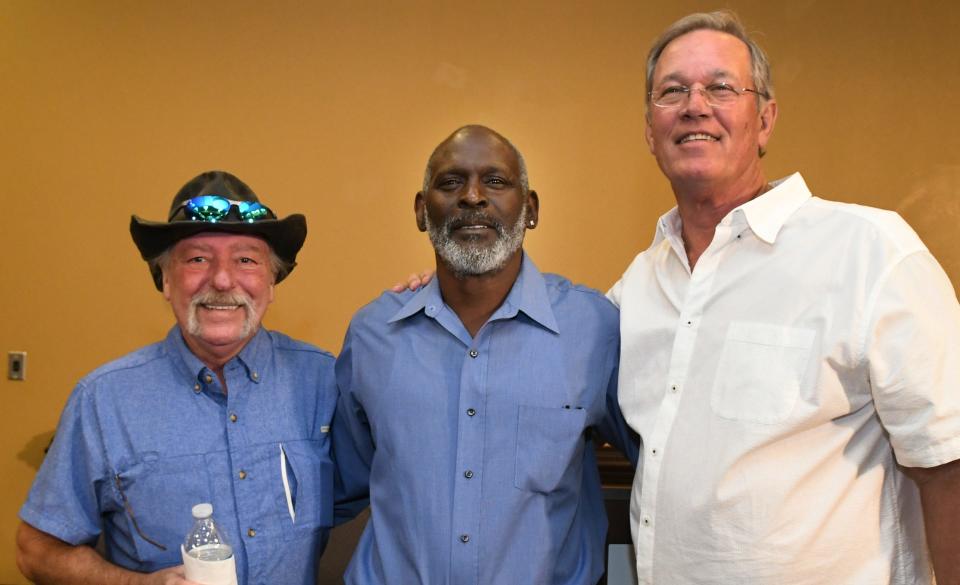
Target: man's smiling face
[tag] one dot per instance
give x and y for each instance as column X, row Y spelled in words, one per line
column 475, row 207
column 219, row 286
column 696, row 142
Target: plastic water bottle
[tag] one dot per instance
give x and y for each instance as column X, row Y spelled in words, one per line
column 204, row 542
column 207, row 557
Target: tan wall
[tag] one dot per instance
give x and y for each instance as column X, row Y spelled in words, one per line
column 330, row 109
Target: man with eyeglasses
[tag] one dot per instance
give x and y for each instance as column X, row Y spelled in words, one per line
column 222, row 411
column 791, row 364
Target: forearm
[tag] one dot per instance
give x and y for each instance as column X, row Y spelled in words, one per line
column 940, row 496
column 46, row 560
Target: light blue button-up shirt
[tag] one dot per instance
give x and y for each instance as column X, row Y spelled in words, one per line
column 479, row 450
column 154, row 432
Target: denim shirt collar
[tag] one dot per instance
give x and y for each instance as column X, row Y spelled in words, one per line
column 528, row 295
column 253, row 358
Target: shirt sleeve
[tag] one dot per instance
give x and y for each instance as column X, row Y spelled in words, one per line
column 352, row 444
column 63, row 501
column 613, row 427
column 616, row 292
column 913, row 351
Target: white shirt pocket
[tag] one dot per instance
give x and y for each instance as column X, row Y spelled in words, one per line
column 760, row 371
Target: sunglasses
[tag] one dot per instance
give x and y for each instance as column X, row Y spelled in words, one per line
column 213, row 208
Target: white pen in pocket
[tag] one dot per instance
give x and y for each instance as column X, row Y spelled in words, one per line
column 286, row 484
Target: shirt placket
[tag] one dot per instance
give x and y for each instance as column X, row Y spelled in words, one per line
column 471, row 416
column 244, row 470
column 699, row 288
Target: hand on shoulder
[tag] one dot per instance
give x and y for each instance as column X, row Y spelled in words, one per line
column 414, row 281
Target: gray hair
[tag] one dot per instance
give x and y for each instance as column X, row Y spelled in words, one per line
column 278, row 266
column 521, row 163
column 723, row 21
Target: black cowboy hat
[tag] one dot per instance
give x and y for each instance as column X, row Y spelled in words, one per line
column 285, row 236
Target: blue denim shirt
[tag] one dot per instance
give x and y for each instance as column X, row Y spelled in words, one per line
column 154, row 429
column 479, row 451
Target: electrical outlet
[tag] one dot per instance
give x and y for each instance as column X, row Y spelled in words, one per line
column 17, row 365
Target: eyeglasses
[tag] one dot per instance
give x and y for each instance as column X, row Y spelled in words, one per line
column 717, row 95
column 213, row 208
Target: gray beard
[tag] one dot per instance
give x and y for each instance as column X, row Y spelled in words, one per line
column 472, row 258
column 212, row 298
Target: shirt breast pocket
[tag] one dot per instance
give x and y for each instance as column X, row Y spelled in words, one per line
column 158, row 494
column 310, row 479
column 760, row 372
column 550, row 446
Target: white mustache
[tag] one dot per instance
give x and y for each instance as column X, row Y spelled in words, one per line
column 216, row 299
column 221, row 300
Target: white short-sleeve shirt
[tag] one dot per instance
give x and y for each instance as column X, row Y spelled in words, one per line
column 776, row 386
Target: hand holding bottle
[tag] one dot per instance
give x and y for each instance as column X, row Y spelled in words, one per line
column 171, row 576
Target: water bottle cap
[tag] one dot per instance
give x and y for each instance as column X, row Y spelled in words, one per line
column 202, row 511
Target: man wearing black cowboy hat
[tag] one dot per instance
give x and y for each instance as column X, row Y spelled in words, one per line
column 221, row 411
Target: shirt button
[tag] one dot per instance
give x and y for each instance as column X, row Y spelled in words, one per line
column 646, row 521
column 251, row 532
column 674, row 388
column 689, row 323
column 653, row 452
column 242, row 474
column 255, row 376
column 464, row 538
column 468, row 474
column 196, row 388
column 233, row 417
column 474, row 353
column 208, row 378
column 471, row 412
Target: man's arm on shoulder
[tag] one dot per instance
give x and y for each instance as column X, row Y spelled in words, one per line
column 45, row 559
column 940, row 496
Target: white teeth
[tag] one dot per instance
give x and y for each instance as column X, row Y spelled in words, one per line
column 221, row 307
column 699, row 136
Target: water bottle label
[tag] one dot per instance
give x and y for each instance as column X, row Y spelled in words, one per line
column 215, row 571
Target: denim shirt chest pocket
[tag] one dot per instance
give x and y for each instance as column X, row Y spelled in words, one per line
column 306, row 486
column 157, row 494
column 760, row 372
column 550, row 445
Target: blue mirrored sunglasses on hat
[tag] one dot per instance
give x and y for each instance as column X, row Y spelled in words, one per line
column 214, row 208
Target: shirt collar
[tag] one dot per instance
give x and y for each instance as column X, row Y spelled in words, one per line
column 668, row 226
column 528, row 294
column 765, row 214
column 253, row 358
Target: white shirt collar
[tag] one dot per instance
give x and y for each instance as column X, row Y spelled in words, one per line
column 765, row 214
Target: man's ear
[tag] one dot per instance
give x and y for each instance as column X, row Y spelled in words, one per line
column 166, row 284
column 533, row 210
column 648, row 133
column 768, row 117
column 419, row 209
